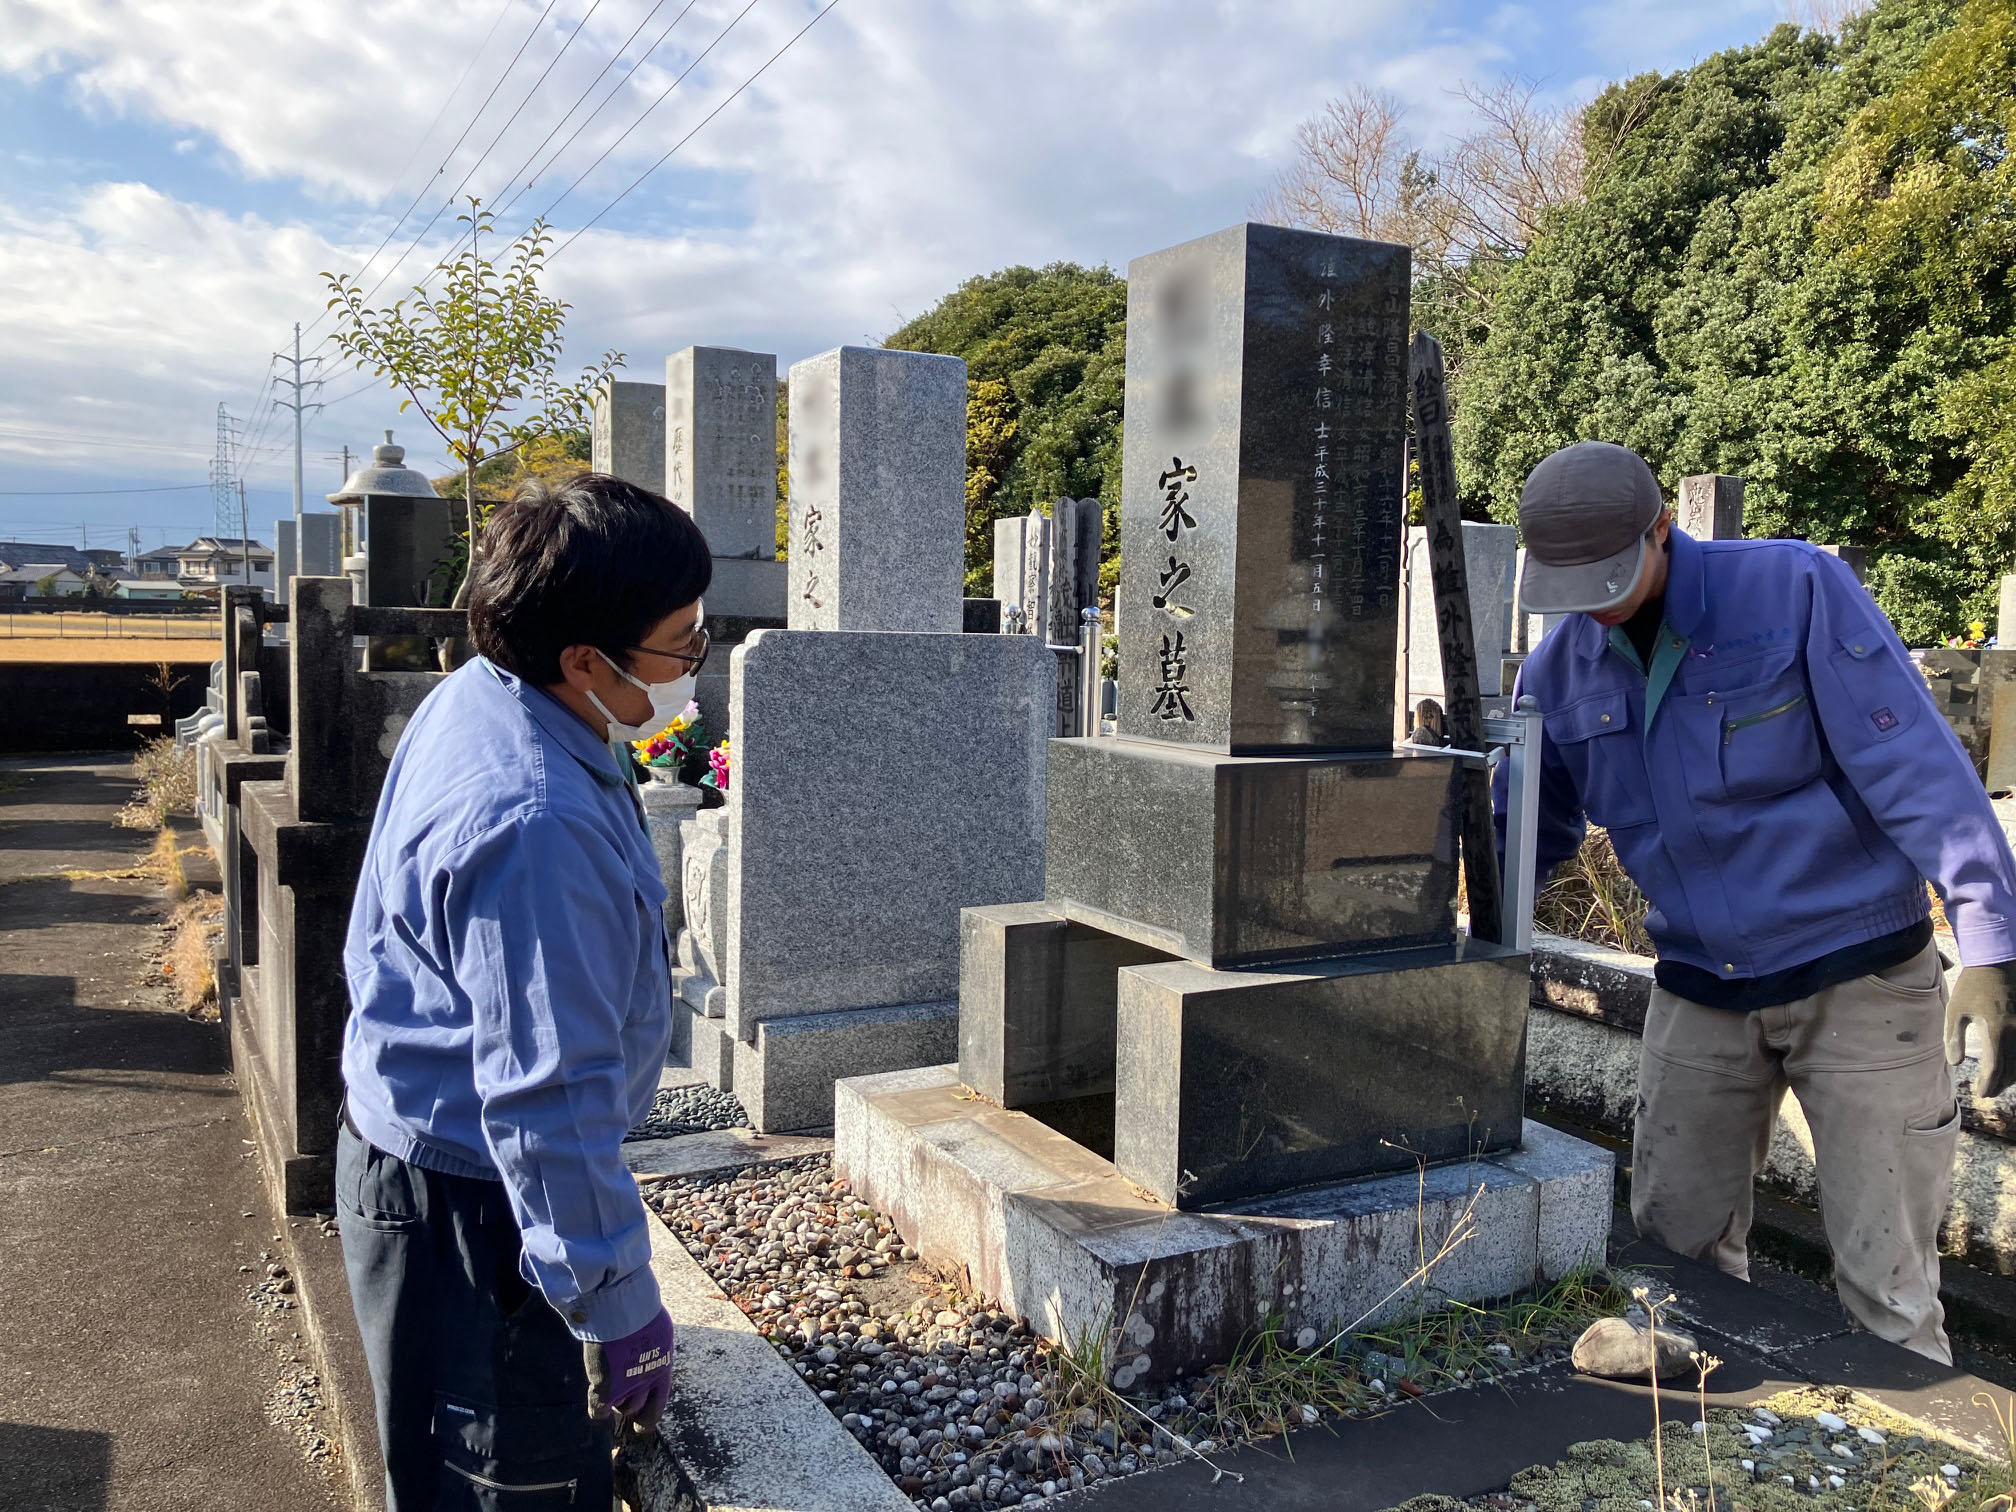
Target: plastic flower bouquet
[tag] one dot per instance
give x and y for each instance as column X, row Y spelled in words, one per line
column 675, row 745
column 717, row 769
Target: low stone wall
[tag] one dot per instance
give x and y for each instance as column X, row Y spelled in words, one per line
column 1583, row 1028
column 84, row 705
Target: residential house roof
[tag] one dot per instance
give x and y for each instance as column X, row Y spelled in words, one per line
column 14, row 554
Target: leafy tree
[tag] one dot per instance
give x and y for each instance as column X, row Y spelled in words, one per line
column 478, row 358
column 1045, row 353
column 1791, row 264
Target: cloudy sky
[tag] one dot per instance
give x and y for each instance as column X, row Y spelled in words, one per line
column 172, row 182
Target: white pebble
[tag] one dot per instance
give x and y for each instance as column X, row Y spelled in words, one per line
column 1786, row 1478
column 1843, row 1450
column 1830, row 1422
column 1768, row 1416
column 1813, row 1481
column 1700, row 1429
column 1750, row 1465
column 1502, row 1349
column 1870, row 1435
column 1949, row 1471
column 1836, row 1482
column 1309, row 1414
column 1306, row 1339
column 1758, row 1433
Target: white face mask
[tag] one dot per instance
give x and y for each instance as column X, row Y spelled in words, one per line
column 668, row 702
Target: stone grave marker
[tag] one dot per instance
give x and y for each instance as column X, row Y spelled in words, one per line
column 1711, row 507
column 720, row 457
column 627, row 433
column 1243, row 977
column 1489, row 551
column 878, row 536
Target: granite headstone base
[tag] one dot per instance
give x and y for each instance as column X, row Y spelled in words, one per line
column 1231, row 860
column 1038, row 998
column 1231, row 1084
column 785, row 1079
column 1064, row 1239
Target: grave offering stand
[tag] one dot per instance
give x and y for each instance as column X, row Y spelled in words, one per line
column 1243, row 1001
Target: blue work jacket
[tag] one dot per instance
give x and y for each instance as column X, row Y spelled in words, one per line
column 1778, row 780
column 510, row 993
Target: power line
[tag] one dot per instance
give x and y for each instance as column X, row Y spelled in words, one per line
column 68, row 493
column 660, row 101
column 613, row 59
column 422, row 235
column 696, row 129
column 421, row 140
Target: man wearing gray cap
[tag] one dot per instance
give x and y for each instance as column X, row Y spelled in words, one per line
column 1771, row 769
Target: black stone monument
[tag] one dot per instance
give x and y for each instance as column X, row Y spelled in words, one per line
column 1245, row 973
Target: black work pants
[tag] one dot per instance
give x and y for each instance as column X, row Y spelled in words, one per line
column 482, row 1392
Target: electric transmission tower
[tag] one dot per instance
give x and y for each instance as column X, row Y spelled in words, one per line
column 223, row 473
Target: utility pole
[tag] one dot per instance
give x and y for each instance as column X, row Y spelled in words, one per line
column 298, row 405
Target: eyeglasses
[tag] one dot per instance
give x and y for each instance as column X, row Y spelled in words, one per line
column 694, row 659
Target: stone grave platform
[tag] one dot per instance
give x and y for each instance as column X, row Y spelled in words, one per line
column 1058, row 1235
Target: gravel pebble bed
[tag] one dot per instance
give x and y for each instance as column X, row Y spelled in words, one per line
column 689, row 1110
column 959, row 1403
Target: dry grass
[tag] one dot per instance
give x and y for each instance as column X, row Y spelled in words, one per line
column 1590, row 898
column 167, row 775
column 186, row 650
column 194, row 929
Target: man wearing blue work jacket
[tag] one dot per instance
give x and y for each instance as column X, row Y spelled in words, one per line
column 510, row 1011
column 1744, row 722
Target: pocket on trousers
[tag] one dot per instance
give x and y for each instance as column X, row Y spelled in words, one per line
column 1917, row 979
column 523, row 1457
column 373, row 1189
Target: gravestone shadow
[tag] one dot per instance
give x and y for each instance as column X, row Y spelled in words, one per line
column 54, row 1469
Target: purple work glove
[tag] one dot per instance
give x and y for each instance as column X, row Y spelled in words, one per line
column 632, row 1376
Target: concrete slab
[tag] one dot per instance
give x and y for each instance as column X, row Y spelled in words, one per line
column 745, row 1428
column 715, row 1150
column 1059, row 1236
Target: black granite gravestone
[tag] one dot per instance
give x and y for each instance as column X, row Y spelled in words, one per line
column 1261, row 514
column 1253, row 823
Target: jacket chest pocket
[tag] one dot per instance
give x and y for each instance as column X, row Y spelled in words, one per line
column 1765, row 738
column 1609, row 769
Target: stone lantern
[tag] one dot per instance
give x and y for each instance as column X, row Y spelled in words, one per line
column 398, row 532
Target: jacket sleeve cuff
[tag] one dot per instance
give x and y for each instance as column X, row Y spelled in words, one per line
column 1985, row 942
column 614, row 1311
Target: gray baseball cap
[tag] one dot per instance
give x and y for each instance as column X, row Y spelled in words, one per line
column 1584, row 515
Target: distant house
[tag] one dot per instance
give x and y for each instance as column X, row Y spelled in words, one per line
column 18, row 554
column 43, row 580
column 156, row 589
column 165, row 563
column 212, row 561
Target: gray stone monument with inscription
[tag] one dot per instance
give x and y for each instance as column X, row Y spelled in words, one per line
column 626, row 437
column 1242, row 995
column 1711, row 507
column 884, row 777
column 1046, row 574
column 878, row 531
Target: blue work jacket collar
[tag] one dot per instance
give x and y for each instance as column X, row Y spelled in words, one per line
column 1686, row 599
column 562, row 724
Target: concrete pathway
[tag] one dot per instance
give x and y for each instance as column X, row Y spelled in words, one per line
column 133, row 1373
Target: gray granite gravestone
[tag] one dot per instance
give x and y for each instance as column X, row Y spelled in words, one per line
column 1489, row 551
column 878, row 484
column 848, row 860
column 1244, row 975
column 321, row 543
column 720, row 456
column 286, row 563
column 1855, row 557
column 626, row 436
column 1022, row 569
column 1076, row 526
column 1711, row 507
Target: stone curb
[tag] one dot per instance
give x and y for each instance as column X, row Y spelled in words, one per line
column 749, row 1432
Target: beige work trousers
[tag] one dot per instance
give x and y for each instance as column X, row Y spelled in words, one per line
column 1867, row 1062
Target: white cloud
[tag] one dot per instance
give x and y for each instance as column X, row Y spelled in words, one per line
column 902, row 146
